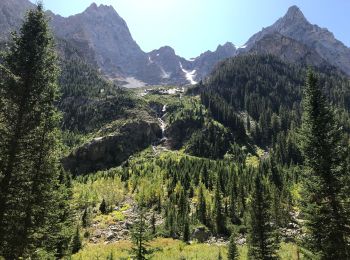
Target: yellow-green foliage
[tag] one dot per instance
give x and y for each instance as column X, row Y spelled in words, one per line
column 289, row 251
column 110, row 219
column 149, row 190
column 146, row 181
column 252, row 161
column 167, row 249
column 171, row 249
column 92, row 192
column 295, row 192
column 101, row 251
column 125, row 207
column 260, row 152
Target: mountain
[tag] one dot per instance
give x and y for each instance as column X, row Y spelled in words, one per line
column 206, row 61
column 11, row 14
column 116, row 53
column 296, row 27
column 288, row 50
column 169, row 63
column 102, row 38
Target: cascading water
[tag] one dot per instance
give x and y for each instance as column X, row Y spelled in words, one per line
column 163, row 124
column 163, row 139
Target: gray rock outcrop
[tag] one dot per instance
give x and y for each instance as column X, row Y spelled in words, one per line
column 113, row 149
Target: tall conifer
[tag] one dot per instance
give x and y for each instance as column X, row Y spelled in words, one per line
column 29, row 174
column 326, row 220
column 261, row 241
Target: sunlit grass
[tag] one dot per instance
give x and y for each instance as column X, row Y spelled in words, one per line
column 166, row 248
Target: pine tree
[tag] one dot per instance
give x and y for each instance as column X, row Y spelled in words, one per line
column 232, row 202
column 248, row 123
column 110, row 256
column 182, row 207
column 84, row 218
column 186, row 231
column 219, row 217
column 232, row 248
column 103, row 207
column 202, row 206
column 205, row 176
column 171, row 222
column 170, row 218
column 323, row 154
column 140, row 236
column 153, row 223
column 76, row 242
column 261, row 240
column 62, row 228
column 220, row 255
column 29, row 147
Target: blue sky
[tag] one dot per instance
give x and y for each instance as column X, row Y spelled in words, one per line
column 194, row 26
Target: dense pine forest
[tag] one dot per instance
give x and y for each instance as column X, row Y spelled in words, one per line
column 250, row 163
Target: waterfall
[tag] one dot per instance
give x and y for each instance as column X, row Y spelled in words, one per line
column 163, row 124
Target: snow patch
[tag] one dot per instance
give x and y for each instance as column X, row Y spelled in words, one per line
column 190, row 75
column 242, row 47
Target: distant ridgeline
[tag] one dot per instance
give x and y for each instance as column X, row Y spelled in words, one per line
column 102, row 38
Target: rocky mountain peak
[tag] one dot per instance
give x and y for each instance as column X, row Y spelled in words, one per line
column 93, row 6
column 228, row 47
column 319, row 41
column 94, row 10
column 166, row 50
column 293, row 20
column 294, row 14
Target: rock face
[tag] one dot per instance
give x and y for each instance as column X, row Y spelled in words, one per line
column 319, row 40
column 205, row 63
column 117, row 54
column 11, row 15
column 288, row 50
column 110, row 151
column 169, row 64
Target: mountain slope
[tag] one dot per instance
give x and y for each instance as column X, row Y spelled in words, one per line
column 288, row 50
column 207, row 61
column 11, row 14
column 117, row 54
column 295, row 26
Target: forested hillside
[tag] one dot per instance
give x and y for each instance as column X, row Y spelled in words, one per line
column 251, row 163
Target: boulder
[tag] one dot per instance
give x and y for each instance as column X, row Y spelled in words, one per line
column 93, row 240
column 97, row 234
column 111, row 236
